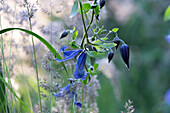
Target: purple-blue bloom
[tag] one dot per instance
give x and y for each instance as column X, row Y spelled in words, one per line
column 66, row 90
column 167, row 38
column 79, row 72
column 68, row 54
column 167, row 97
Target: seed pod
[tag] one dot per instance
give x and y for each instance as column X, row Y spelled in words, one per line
column 124, row 51
column 64, row 34
column 110, row 56
column 117, row 42
column 102, row 3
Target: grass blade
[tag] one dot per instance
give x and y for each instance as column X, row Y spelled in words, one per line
column 49, row 46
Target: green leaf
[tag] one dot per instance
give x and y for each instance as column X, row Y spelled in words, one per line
column 86, row 80
column 96, row 65
column 75, row 35
column 88, row 61
column 86, row 7
column 74, row 9
column 100, row 30
column 74, row 29
column 93, row 72
column 167, row 14
column 2, row 91
column 115, row 30
column 49, row 46
column 96, row 10
column 99, row 42
column 108, row 45
column 91, row 84
column 99, row 48
column 73, row 44
column 95, row 54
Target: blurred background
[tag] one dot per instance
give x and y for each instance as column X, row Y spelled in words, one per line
column 141, row 26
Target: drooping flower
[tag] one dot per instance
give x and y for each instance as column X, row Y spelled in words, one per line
column 124, row 50
column 81, row 60
column 102, row 3
column 79, row 72
column 66, row 91
column 68, row 54
column 117, row 42
column 110, row 56
column 64, row 34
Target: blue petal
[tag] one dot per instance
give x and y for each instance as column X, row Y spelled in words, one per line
column 62, row 49
column 84, row 77
column 57, row 95
column 167, row 97
column 78, row 104
column 71, row 55
column 81, row 60
column 66, row 53
column 66, row 88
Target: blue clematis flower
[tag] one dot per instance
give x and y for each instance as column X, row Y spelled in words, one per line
column 81, row 60
column 79, row 72
column 167, row 97
column 167, row 38
column 68, row 54
column 65, row 91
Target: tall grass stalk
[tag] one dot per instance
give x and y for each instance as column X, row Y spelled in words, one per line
column 2, row 92
column 5, row 67
column 26, row 85
column 39, row 96
column 9, row 65
column 51, row 77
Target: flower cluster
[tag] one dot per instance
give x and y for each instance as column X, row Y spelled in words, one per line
column 94, row 47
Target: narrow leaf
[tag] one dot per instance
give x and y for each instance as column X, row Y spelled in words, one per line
column 74, row 9
column 108, row 45
column 115, row 30
column 96, row 65
column 75, row 35
column 86, row 8
column 167, row 14
column 6, row 84
column 95, row 54
column 99, row 42
column 49, row 46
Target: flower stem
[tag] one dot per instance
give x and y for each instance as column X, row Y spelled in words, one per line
column 72, row 98
column 82, row 97
column 84, row 25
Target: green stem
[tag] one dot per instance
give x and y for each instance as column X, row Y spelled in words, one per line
column 84, row 25
column 8, row 74
column 39, row 96
column 82, row 97
column 72, row 99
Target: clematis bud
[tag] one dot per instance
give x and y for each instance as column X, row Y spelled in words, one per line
column 110, row 56
column 102, row 3
column 64, row 34
column 116, row 42
column 124, row 51
column 94, row 49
